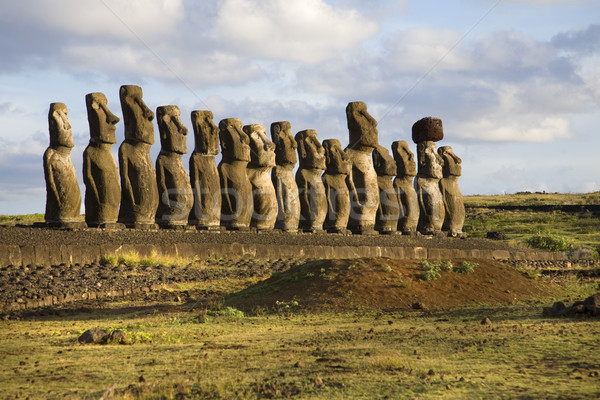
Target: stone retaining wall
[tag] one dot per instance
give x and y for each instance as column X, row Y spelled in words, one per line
column 77, row 254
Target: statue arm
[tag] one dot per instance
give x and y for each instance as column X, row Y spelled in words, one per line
column 49, row 175
column 88, row 178
column 163, row 191
column 125, row 182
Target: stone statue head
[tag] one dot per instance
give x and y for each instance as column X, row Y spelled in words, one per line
column 206, row 132
column 430, row 162
column 361, row 126
column 285, row 144
column 405, row 159
column 336, row 159
column 137, row 117
column 310, row 151
column 234, row 142
column 102, row 121
column 262, row 150
column 383, row 162
column 59, row 126
column 171, row 129
column 451, row 161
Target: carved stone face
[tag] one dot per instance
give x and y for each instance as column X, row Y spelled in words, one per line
column 262, row 150
column 362, row 126
column 102, row 121
column 310, row 151
column 59, row 126
column 234, row 142
column 285, row 144
column 171, row 129
column 336, row 159
column 405, row 159
column 430, row 162
column 451, row 161
column 137, row 117
column 206, row 132
column 384, row 163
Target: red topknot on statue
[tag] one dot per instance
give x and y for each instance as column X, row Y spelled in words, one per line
column 427, row 129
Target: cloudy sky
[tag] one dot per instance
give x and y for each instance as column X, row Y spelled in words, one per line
column 515, row 82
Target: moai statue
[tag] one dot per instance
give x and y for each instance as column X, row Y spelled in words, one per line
column 174, row 190
column 282, row 175
column 405, row 191
column 236, row 190
column 336, row 183
column 204, row 176
column 364, row 199
column 100, row 173
column 63, row 198
column 425, row 133
column 389, row 210
column 262, row 161
column 453, row 200
column 313, row 200
column 139, row 193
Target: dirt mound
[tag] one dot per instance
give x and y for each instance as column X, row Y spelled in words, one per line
column 387, row 284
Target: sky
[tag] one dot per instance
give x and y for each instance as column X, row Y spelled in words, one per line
column 516, row 83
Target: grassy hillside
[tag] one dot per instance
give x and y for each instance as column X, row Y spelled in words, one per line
column 577, row 232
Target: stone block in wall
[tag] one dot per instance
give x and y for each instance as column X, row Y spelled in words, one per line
column 27, row 255
column 42, row 254
column 436, row 254
column 420, row 253
column 501, row 255
column 66, row 254
column 10, row 255
column 396, row 253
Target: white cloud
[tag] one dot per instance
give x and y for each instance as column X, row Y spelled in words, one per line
column 307, row 31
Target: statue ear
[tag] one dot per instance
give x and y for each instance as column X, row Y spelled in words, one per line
column 302, row 149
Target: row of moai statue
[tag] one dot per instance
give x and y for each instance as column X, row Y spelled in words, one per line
column 360, row 189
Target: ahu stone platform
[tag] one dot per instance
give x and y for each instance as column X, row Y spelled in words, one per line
column 42, row 246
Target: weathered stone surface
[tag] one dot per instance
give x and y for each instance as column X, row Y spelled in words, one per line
column 174, row 188
column 63, row 198
column 139, row 193
column 428, row 129
column 389, row 208
column 236, row 190
column 262, row 161
column 453, row 199
column 335, row 180
column 100, row 173
column 364, row 198
column 204, row 176
column 313, row 201
column 406, row 170
column 431, row 202
column 94, row 336
column 282, row 176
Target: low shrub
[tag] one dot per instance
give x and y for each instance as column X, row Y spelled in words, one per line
column 431, row 271
column 467, row 267
column 549, row 242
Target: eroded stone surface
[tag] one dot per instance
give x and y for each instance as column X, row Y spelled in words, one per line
column 204, row 176
column 428, row 129
column 431, row 202
column 174, row 189
column 364, row 199
column 313, row 201
column 139, row 193
column 406, row 170
column 389, row 210
column 282, row 176
column 237, row 204
column 262, row 161
column 335, row 180
column 453, row 199
column 100, row 172
column 63, row 198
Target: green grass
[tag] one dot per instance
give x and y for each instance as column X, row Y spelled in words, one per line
column 133, row 259
column 580, row 230
column 317, row 355
column 27, row 219
column 533, row 199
